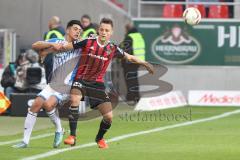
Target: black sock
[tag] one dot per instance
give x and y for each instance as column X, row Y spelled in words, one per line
column 104, row 126
column 73, row 119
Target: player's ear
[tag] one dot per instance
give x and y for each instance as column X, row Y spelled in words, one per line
column 67, row 30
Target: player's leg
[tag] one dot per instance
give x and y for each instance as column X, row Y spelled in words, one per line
column 50, row 107
column 106, row 110
column 30, row 122
column 98, row 99
column 75, row 98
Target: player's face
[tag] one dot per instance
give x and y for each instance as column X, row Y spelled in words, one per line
column 74, row 31
column 105, row 31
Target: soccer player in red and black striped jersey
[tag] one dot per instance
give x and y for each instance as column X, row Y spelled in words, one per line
column 97, row 53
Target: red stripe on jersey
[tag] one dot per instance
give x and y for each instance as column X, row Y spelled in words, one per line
column 106, row 63
column 93, row 74
column 94, row 61
column 83, row 59
column 89, row 67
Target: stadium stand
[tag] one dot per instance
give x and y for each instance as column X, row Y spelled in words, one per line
column 218, row 11
column 172, row 11
column 208, row 9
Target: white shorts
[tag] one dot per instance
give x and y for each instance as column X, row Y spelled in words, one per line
column 48, row 91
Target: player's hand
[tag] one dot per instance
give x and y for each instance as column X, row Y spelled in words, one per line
column 57, row 46
column 149, row 67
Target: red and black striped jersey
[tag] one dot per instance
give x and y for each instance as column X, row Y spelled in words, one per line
column 95, row 58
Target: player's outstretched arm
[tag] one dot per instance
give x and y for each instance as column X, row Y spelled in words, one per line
column 136, row 60
column 43, row 48
column 61, row 48
column 41, row 45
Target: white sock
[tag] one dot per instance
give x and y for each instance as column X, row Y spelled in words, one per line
column 28, row 126
column 53, row 115
column 82, row 107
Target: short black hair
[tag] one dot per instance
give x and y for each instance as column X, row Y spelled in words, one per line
column 106, row 21
column 86, row 16
column 72, row 22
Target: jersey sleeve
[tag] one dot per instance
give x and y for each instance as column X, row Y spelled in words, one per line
column 119, row 53
column 127, row 45
column 79, row 43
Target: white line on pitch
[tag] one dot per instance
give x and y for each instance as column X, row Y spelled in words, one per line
column 19, row 140
column 54, row 152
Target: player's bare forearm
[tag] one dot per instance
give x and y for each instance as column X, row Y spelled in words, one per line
column 62, row 47
column 43, row 48
column 136, row 60
column 41, row 45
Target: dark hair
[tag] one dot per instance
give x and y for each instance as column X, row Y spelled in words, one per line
column 19, row 58
column 86, row 16
column 72, row 22
column 106, row 21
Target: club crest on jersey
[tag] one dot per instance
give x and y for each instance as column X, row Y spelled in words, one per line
column 109, row 52
column 111, row 49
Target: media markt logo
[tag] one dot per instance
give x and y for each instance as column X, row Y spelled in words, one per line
column 176, row 47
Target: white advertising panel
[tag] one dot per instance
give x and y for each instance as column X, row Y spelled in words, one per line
column 214, row 98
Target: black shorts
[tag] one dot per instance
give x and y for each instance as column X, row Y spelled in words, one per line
column 95, row 91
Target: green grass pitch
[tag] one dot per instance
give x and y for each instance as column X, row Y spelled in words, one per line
column 212, row 140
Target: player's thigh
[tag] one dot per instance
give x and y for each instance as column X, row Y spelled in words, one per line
column 106, row 110
column 50, row 103
column 37, row 104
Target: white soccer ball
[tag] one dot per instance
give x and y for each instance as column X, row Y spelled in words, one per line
column 192, row 16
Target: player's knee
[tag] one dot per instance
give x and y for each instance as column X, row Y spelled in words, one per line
column 108, row 118
column 47, row 106
column 75, row 99
column 35, row 108
column 36, row 105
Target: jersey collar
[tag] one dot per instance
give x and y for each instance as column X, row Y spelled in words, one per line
column 101, row 45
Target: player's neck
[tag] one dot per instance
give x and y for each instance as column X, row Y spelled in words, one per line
column 101, row 42
column 68, row 39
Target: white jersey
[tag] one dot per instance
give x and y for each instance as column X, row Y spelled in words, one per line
column 58, row 60
column 62, row 57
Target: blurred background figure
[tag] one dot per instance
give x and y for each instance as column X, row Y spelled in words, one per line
column 55, row 31
column 133, row 44
column 88, row 27
column 30, row 75
column 9, row 75
column 25, row 75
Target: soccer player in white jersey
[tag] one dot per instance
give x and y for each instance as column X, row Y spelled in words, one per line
column 49, row 98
